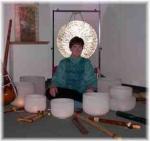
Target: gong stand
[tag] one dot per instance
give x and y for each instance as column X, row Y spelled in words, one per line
column 53, row 42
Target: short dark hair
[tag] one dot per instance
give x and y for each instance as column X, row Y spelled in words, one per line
column 76, row 40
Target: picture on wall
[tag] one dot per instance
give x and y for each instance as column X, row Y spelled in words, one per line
column 26, row 22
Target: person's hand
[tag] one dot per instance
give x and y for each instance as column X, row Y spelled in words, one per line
column 53, row 91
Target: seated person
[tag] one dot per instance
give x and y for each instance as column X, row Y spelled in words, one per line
column 74, row 75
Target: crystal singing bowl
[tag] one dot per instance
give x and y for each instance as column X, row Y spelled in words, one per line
column 95, row 103
column 62, row 107
column 34, row 103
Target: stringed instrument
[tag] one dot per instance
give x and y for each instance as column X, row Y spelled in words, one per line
column 9, row 90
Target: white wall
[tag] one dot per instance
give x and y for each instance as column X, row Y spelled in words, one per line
column 124, row 43
column 31, row 59
column 123, row 38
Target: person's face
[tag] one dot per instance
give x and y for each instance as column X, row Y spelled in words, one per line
column 76, row 50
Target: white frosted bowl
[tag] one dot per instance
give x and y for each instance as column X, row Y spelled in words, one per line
column 95, row 103
column 123, row 105
column 104, row 84
column 38, row 81
column 24, row 88
column 62, row 107
column 121, row 92
column 34, row 103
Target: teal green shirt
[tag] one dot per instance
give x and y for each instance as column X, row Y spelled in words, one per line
column 75, row 73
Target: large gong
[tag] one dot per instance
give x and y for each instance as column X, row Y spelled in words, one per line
column 81, row 29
